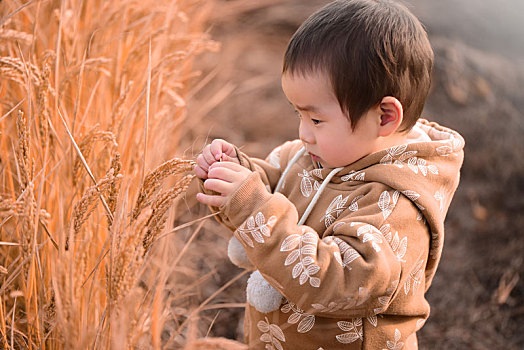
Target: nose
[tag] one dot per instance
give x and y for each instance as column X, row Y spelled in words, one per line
column 305, row 133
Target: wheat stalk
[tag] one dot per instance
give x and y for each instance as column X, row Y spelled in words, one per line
column 152, row 181
column 82, row 120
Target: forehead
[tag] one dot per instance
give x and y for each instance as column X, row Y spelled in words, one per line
column 316, row 75
column 304, row 88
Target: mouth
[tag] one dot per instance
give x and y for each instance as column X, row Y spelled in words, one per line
column 314, row 157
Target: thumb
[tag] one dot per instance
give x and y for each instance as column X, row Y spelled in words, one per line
column 218, row 147
column 228, row 149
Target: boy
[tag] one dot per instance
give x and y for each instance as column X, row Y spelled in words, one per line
column 351, row 229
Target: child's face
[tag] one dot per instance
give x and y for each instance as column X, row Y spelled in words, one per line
column 324, row 128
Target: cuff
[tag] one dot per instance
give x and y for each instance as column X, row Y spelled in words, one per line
column 250, row 196
column 243, row 159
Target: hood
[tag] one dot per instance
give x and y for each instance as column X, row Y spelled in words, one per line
column 426, row 170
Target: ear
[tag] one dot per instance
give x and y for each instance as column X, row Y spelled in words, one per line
column 391, row 116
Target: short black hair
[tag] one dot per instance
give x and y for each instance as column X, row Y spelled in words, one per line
column 369, row 49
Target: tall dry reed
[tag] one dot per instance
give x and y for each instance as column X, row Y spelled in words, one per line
column 92, row 94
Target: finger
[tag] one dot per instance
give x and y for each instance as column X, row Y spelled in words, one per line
column 213, row 201
column 202, row 163
column 217, row 148
column 200, row 173
column 221, row 173
column 229, row 149
column 208, row 156
column 219, row 186
column 220, row 147
column 228, row 165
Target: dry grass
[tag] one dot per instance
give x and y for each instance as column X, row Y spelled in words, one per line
column 92, row 94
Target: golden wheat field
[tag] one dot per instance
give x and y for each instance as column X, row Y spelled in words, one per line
column 92, row 96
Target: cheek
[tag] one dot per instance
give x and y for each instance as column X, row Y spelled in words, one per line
column 332, row 147
column 340, row 146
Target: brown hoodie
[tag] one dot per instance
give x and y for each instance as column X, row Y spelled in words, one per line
column 354, row 275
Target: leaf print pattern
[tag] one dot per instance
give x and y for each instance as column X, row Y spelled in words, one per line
column 396, row 344
column 398, row 246
column 439, row 135
column 415, row 277
column 373, row 320
column 420, row 323
column 305, row 321
column 308, row 184
column 439, row 197
column 334, row 209
column 456, row 143
column 274, row 157
column 387, row 202
column 303, row 248
column 451, row 143
column 317, row 173
column 384, row 299
column 257, row 227
column 395, row 155
column 345, row 254
column 354, row 205
column 399, row 157
column 338, row 225
column 419, row 164
column 344, row 304
column 272, row 334
column 354, row 176
column 413, row 196
column 369, row 233
column 353, row 329
column 444, row 151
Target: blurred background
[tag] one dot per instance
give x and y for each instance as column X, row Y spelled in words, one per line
column 477, row 297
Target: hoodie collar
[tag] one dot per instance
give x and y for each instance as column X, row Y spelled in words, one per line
column 427, row 140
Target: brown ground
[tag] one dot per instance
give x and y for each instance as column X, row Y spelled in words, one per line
column 477, row 296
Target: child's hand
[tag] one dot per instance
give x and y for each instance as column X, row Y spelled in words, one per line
column 224, row 178
column 218, row 150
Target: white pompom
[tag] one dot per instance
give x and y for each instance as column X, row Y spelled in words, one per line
column 261, row 295
column 237, row 254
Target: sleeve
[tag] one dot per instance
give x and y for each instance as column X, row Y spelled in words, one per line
column 354, row 271
column 269, row 171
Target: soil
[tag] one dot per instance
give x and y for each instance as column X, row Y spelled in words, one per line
column 477, row 296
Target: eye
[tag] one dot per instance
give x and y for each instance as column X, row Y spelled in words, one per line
column 315, row 121
column 298, row 113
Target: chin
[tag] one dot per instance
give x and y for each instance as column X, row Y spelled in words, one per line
column 324, row 165
column 333, row 166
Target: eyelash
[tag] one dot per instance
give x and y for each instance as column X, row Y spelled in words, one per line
column 315, row 121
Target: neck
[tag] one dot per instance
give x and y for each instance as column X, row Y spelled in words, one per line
column 393, row 140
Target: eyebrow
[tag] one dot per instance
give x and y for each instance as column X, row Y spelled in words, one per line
column 307, row 108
